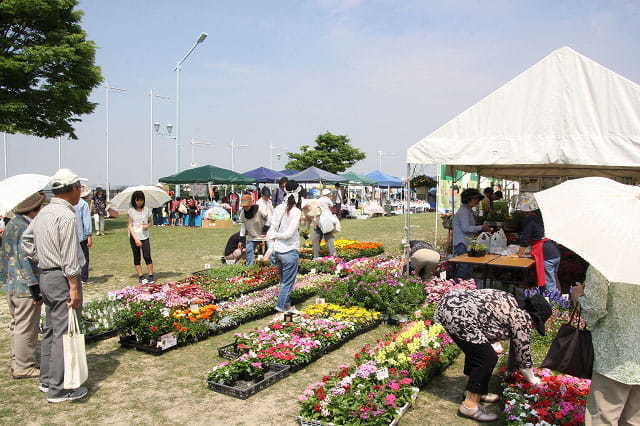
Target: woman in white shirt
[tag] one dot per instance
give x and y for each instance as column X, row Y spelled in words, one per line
column 286, row 242
column 139, row 223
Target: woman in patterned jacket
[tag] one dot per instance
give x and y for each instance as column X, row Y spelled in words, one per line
column 476, row 319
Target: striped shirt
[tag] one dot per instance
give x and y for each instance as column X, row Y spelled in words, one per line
column 51, row 240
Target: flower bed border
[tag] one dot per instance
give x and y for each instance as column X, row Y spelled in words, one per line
column 281, row 371
column 303, row 421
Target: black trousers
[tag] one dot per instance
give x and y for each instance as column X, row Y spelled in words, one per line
column 84, row 274
column 479, row 362
column 145, row 250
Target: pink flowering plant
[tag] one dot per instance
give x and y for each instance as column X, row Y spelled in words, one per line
column 234, row 280
column 355, row 395
column 437, row 287
column 172, row 294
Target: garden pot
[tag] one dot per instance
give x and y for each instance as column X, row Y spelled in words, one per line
column 477, row 253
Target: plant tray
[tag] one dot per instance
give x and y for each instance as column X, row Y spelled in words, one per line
column 90, row 338
column 131, row 343
column 243, row 389
column 308, row 422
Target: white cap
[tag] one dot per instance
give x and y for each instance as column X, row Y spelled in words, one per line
column 64, row 177
column 326, row 191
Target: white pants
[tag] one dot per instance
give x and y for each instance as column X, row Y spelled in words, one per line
column 99, row 223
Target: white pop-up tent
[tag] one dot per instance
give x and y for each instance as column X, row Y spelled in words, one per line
column 567, row 115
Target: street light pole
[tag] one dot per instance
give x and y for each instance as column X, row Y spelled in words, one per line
column 109, row 88
column 178, row 68
column 4, row 138
column 59, row 152
column 151, row 128
column 234, row 146
column 271, row 148
column 193, row 144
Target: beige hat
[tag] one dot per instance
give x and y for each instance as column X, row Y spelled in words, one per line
column 31, row 203
column 424, row 261
column 64, row 177
column 85, row 191
column 311, row 208
column 326, row 191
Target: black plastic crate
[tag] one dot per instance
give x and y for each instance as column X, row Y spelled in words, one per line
column 244, row 389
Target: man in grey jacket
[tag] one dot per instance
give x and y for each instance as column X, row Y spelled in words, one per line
column 51, row 242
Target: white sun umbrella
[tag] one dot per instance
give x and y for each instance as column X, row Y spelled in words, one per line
column 599, row 219
column 16, row 189
column 154, row 197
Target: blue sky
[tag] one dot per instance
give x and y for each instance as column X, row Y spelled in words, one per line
column 384, row 72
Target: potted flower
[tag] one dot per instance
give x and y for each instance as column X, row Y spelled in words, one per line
column 476, row 249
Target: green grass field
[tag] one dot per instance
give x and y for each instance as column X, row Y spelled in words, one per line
column 131, row 387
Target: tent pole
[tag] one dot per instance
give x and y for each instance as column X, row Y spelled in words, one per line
column 435, row 243
column 407, row 218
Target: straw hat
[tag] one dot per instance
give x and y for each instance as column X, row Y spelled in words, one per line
column 424, row 261
column 31, row 203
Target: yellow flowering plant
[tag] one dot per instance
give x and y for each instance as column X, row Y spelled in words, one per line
column 354, row 314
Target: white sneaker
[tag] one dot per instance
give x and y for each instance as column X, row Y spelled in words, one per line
column 293, row 310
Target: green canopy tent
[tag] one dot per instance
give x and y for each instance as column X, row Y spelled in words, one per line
column 355, row 179
column 208, row 174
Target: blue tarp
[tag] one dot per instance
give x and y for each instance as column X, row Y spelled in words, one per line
column 383, row 179
column 289, row 172
column 314, row 175
column 264, row 175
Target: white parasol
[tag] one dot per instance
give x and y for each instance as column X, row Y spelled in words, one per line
column 598, row 219
column 154, row 197
column 16, row 189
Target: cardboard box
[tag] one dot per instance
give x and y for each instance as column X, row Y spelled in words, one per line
column 217, row 224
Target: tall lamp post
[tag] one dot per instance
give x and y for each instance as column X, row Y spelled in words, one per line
column 178, row 68
column 109, row 89
column 234, row 146
column 151, row 131
column 271, row 149
column 4, row 140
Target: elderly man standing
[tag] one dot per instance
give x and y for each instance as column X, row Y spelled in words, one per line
column 51, row 241
column 23, row 295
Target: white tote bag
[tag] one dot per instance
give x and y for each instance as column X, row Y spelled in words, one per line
column 327, row 222
column 75, row 357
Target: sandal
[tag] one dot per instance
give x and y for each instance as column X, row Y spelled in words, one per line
column 478, row 414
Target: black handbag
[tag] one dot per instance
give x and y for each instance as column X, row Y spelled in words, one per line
column 571, row 351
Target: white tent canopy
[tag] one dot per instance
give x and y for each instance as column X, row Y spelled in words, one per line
column 565, row 116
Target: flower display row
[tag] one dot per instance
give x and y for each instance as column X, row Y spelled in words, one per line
column 377, row 290
column 298, row 342
column 382, row 378
column 97, row 319
column 171, row 294
column 558, row 399
column 231, row 281
column 436, row 288
column 147, row 321
column 320, row 265
column 346, row 249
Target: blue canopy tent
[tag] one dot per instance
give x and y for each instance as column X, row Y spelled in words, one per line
column 289, row 172
column 316, row 175
column 383, row 179
column 264, row 175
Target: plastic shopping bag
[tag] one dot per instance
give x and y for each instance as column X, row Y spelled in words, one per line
column 485, row 239
column 498, row 242
column 327, row 222
column 75, row 357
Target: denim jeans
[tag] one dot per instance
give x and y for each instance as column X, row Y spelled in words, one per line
column 287, row 263
column 251, row 247
column 463, row 270
column 550, row 272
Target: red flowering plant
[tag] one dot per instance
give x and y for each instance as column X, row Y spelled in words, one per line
column 558, row 399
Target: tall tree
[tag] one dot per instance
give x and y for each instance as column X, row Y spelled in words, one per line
column 47, row 69
column 332, row 153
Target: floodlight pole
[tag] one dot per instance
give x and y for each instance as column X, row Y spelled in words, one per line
column 109, row 88
column 151, row 131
